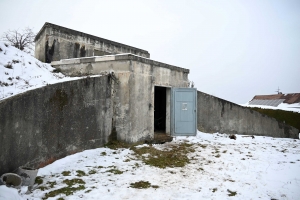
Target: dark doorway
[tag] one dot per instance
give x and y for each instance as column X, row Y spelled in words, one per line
column 159, row 109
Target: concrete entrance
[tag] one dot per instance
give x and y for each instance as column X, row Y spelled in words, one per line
column 162, row 114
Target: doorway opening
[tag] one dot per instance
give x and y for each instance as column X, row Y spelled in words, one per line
column 159, row 109
column 162, row 100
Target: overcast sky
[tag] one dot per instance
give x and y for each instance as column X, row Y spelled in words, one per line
column 235, row 49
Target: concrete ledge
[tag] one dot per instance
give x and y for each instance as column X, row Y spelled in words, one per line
column 67, row 61
column 104, row 58
column 128, row 56
column 87, row 60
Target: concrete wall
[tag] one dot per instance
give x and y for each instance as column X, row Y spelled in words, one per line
column 133, row 95
column 218, row 115
column 54, row 43
column 42, row 125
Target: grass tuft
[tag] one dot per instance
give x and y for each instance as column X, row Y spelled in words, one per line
column 80, row 173
column 66, row 173
column 231, row 193
column 143, row 185
column 115, row 171
column 38, row 180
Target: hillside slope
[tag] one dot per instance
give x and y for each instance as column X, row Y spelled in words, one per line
column 20, row 72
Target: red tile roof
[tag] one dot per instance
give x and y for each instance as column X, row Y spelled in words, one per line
column 288, row 98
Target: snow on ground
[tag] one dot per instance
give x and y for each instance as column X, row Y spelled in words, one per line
column 295, row 107
column 20, row 72
column 259, row 168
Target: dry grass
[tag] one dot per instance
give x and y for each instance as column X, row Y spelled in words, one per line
column 175, row 156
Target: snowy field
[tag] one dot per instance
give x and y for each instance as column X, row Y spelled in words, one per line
column 218, row 168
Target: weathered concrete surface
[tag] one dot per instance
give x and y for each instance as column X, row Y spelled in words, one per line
column 217, row 115
column 54, row 43
column 133, row 96
column 42, row 125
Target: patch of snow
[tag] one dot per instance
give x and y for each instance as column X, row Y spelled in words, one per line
column 7, row 193
column 20, row 72
column 259, row 168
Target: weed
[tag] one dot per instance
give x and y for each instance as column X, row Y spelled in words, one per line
column 80, row 173
column 127, row 160
column 142, row 185
column 103, row 153
column 66, row 173
column 15, row 61
column 87, row 191
column 203, row 146
column 60, row 198
column 51, row 183
column 115, row 171
column 224, row 151
column 92, row 171
column 38, row 180
column 218, row 156
column 99, row 167
column 114, row 144
column 8, row 65
column 214, row 189
column 231, row 193
column 43, row 188
column 136, row 165
column 73, row 181
column 229, row 180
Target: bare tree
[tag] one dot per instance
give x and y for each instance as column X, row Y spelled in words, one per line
column 22, row 40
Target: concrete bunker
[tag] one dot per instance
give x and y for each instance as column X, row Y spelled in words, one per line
column 141, row 92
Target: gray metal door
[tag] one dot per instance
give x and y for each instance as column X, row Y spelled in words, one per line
column 184, row 112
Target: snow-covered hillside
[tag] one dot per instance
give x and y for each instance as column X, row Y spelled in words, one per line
column 218, row 168
column 20, row 72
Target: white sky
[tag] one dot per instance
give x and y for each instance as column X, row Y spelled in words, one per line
column 234, row 49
